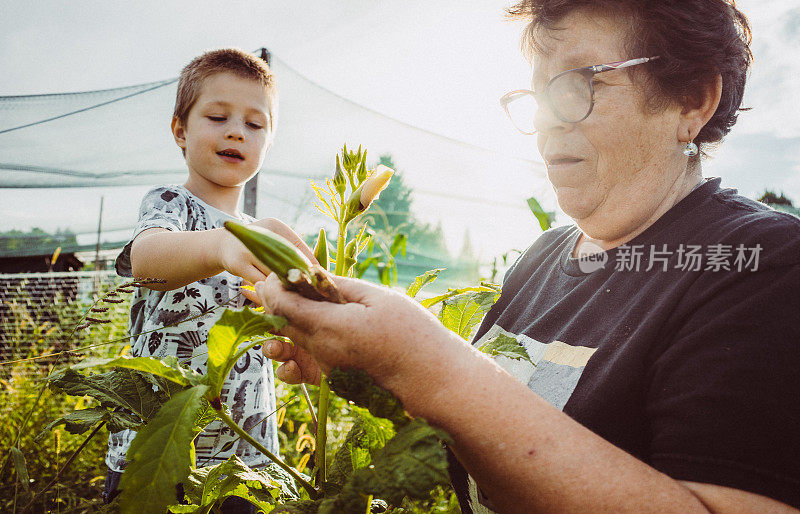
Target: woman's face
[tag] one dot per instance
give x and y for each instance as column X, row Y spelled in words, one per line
column 613, row 171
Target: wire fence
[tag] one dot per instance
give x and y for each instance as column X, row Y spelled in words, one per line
column 38, row 316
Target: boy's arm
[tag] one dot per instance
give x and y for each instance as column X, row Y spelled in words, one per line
column 181, row 258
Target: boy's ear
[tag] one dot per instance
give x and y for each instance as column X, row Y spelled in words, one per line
column 178, row 132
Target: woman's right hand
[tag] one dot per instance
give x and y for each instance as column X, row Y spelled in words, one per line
column 390, row 336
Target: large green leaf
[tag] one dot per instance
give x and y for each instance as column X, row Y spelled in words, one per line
column 168, row 368
column 411, row 464
column 234, row 328
column 79, row 421
column 507, row 347
column 358, row 387
column 160, row 455
column 125, row 388
column 367, row 434
column 207, row 487
column 422, row 280
column 462, row 312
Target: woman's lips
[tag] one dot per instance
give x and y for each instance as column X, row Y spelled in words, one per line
column 563, row 171
column 561, row 160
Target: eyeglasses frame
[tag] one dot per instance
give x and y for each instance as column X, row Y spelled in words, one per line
column 587, row 71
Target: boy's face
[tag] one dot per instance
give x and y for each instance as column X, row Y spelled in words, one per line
column 226, row 133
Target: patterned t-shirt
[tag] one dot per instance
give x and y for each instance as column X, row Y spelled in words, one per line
column 250, row 389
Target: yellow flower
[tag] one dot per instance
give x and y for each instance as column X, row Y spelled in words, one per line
column 373, row 186
column 367, row 192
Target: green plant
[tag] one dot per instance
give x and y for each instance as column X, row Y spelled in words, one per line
column 40, row 335
column 377, row 464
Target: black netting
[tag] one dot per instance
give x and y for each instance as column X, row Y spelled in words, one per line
column 119, row 139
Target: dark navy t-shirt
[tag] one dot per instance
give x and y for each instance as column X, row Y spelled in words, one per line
column 681, row 347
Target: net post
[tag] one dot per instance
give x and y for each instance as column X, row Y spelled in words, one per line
column 251, row 187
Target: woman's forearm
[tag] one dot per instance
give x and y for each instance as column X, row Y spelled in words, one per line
column 525, row 454
column 180, row 258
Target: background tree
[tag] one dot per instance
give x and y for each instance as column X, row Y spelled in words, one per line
column 779, row 202
column 392, row 212
column 770, row 198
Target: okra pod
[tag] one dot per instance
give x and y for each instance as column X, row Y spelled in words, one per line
column 278, row 254
column 286, row 261
column 321, row 249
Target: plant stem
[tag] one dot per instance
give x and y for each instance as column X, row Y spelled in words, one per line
column 274, row 458
column 65, row 466
column 25, row 422
column 320, row 456
column 322, row 434
column 310, row 406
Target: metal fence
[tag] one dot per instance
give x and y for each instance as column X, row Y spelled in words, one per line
column 39, row 313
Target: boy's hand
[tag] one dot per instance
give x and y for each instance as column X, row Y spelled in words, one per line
column 234, row 257
column 298, row 365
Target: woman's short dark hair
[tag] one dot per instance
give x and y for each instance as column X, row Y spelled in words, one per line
column 695, row 39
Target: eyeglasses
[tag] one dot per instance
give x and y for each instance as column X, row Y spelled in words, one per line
column 569, row 94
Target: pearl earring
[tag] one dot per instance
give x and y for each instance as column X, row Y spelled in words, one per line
column 690, row 150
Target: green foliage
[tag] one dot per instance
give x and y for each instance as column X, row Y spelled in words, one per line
column 210, row 486
column 411, row 464
column 36, row 242
column 160, row 455
column 167, row 368
column 384, row 261
column 546, row 218
column 234, row 328
column 507, row 347
column 772, row 198
column 367, row 434
column 422, row 280
column 451, row 292
column 21, row 468
column 122, row 388
column 80, row 421
column 78, row 488
column 358, row 387
column 462, row 312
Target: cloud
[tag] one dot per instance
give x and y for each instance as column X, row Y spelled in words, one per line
column 752, row 163
column 773, row 91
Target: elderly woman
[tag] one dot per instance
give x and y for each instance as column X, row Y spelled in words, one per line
column 664, row 324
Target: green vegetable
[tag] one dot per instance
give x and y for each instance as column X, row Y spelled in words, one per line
column 287, row 263
column 274, row 250
column 321, row 249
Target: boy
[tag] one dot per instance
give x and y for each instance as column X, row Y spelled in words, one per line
column 224, row 121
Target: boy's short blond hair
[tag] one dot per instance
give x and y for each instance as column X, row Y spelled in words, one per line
column 231, row 60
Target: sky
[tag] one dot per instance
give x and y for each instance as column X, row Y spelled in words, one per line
column 440, row 66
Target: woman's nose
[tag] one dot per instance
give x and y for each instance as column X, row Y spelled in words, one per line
column 546, row 121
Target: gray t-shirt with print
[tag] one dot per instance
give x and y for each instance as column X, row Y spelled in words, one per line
column 249, row 390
